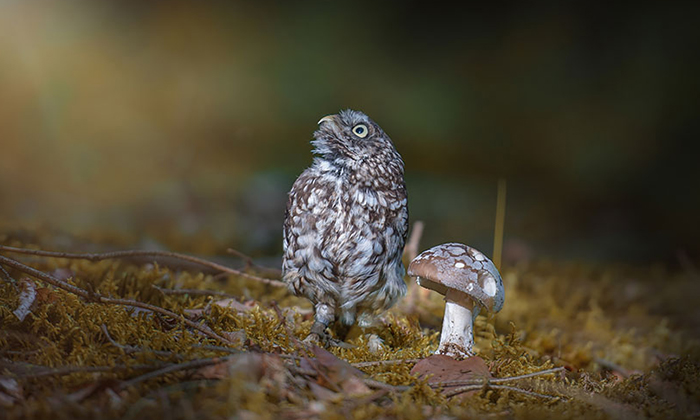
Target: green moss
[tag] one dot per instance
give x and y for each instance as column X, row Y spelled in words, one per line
column 555, row 315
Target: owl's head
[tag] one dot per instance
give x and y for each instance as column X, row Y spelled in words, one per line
column 350, row 134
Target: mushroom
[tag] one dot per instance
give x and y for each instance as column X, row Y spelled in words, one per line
column 469, row 281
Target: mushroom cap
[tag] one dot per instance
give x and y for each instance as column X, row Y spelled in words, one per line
column 462, row 268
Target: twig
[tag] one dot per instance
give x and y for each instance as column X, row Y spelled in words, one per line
column 126, row 348
column 251, row 264
column 302, row 371
column 500, row 222
column 194, row 364
column 497, row 380
column 381, row 385
column 527, row 375
column 95, row 297
column 412, row 246
column 613, row 367
column 410, row 252
column 199, row 292
column 218, row 348
column 133, row 349
column 468, row 388
column 7, row 275
column 290, row 333
column 384, row 362
column 138, row 253
column 67, row 370
column 369, row 382
column 21, row 353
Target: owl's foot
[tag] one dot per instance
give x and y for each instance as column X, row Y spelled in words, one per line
column 315, row 339
column 317, row 335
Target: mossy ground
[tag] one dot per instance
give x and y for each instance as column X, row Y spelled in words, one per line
column 626, row 335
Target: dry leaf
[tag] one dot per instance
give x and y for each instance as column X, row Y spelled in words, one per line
column 354, row 386
column 237, row 337
column 322, row 393
column 336, row 374
column 45, row 295
column 335, row 369
column 441, row 368
column 217, row 371
column 232, row 303
column 10, row 391
column 11, row 387
column 251, row 367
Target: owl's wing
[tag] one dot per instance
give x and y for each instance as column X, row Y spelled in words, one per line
column 378, row 269
column 306, row 200
column 306, row 218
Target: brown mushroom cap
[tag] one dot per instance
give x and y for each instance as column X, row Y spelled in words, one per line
column 462, row 268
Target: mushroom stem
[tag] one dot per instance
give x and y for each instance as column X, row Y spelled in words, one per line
column 457, row 337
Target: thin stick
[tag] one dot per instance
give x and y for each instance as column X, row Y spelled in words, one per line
column 194, row 364
column 381, row 385
column 95, row 297
column 384, row 362
column 500, row 222
column 126, row 348
column 527, row 375
column 6, row 275
column 137, row 254
column 369, row 382
column 248, row 260
column 195, row 292
column 613, row 367
column 302, row 371
column 217, row 348
column 283, row 321
column 67, row 370
column 498, row 380
column 132, row 349
column 413, row 244
column 468, row 388
column 250, row 263
column 410, row 252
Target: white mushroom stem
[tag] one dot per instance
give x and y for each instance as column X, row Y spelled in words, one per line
column 457, row 338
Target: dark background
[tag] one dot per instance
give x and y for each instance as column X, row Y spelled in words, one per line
column 184, row 123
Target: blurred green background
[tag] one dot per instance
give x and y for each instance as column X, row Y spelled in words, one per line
column 177, row 121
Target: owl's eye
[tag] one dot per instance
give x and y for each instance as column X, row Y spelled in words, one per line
column 360, row 130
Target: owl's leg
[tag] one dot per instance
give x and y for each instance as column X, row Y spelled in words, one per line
column 323, row 317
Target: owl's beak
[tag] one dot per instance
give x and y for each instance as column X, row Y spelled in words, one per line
column 327, row 118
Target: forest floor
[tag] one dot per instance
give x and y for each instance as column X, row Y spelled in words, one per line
column 153, row 336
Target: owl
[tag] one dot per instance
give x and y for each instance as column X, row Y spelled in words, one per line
column 346, row 223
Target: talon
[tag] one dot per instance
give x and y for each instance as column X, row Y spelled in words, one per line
column 315, row 339
column 332, row 342
column 318, row 329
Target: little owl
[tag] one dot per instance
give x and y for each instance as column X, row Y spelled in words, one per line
column 346, row 223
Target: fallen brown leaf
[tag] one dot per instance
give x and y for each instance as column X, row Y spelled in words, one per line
column 237, row 338
column 11, row 387
column 335, row 374
column 439, row 368
column 236, row 305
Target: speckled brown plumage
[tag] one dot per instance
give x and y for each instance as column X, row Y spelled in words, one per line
column 346, row 223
